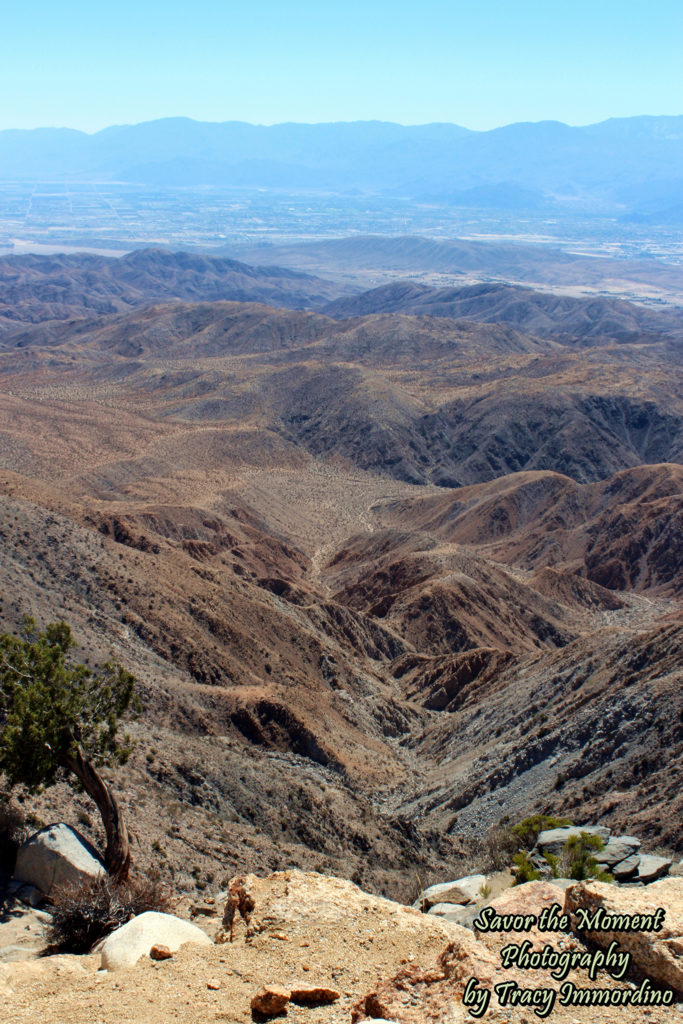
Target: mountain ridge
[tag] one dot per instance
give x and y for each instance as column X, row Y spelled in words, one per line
column 548, row 158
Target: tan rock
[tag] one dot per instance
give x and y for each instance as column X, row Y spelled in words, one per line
column 657, row 954
column 270, row 1001
column 522, row 901
column 431, row 993
column 417, row 995
column 269, row 905
column 314, row 995
column 159, row 952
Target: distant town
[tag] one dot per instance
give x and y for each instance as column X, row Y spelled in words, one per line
column 118, row 217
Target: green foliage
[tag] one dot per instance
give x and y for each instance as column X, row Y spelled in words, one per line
column 50, row 707
column 528, row 831
column 84, row 914
column 553, row 862
column 577, row 859
column 524, row 871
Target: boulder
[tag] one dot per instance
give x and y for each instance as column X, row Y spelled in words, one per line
column 656, row 954
column 651, row 868
column 626, row 869
column 462, row 891
column 125, row 946
column 618, row 849
column 553, row 839
column 57, row 855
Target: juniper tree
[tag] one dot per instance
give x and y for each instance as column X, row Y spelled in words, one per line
column 60, row 719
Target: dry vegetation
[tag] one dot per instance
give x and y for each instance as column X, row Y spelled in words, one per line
column 345, row 666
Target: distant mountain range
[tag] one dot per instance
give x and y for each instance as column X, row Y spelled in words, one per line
column 632, row 165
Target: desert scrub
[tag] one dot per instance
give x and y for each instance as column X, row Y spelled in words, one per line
column 524, row 870
column 501, row 843
column 577, row 859
column 84, row 914
column 527, row 832
column 498, row 848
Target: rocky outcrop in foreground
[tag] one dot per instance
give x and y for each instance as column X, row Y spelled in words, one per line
column 319, row 950
column 534, row 951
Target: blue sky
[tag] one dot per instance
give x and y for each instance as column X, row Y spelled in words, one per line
column 89, row 65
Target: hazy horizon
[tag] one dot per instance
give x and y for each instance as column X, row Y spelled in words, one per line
column 90, row 67
column 359, row 120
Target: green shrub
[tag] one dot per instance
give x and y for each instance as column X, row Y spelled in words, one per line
column 528, row 831
column 84, row 914
column 524, row 871
column 553, row 862
column 577, row 859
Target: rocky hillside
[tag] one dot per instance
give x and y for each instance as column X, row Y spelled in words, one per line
column 542, row 314
column 34, row 289
column 384, row 581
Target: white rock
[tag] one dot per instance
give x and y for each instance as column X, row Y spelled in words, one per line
column 125, row 946
column 553, row 839
column 57, row 855
column 462, row 891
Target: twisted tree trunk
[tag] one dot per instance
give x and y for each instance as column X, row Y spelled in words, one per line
column 117, row 852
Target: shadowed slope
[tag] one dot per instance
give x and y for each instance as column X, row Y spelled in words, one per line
column 567, row 319
column 64, row 287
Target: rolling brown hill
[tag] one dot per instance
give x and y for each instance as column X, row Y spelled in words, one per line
column 543, row 314
column 623, row 533
column 35, row 289
column 422, row 399
column 344, row 665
